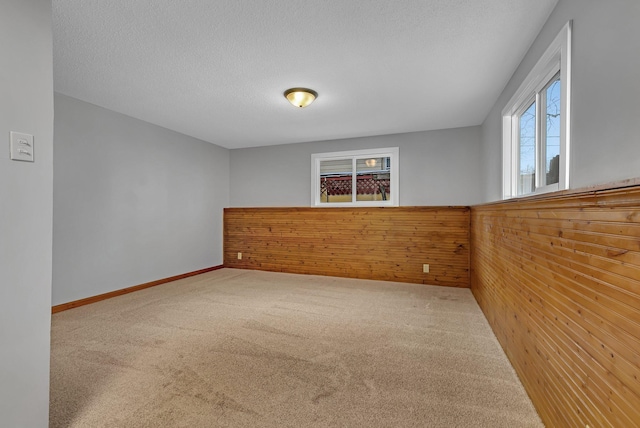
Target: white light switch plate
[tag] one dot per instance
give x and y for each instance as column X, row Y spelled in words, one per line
column 21, row 146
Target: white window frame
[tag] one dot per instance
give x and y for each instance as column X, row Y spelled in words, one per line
column 391, row 152
column 557, row 58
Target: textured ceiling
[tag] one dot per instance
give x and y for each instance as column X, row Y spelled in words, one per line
column 216, row 70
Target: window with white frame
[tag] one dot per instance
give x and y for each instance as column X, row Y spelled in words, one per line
column 536, row 131
column 355, row 178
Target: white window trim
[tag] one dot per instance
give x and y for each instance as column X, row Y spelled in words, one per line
column 556, row 58
column 391, row 152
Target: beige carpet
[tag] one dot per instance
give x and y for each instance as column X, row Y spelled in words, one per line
column 234, row 348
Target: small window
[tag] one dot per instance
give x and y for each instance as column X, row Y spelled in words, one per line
column 355, row 178
column 536, row 125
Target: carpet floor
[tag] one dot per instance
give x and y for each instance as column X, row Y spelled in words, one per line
column 236, row 348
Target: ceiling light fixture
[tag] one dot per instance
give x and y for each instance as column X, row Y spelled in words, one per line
column 300, row 97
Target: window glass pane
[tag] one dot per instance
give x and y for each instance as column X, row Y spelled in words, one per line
column 373, row 179
column 527, row 158
column 552, row 143
column 536, row 135
column 335, row 180
column 355, row 178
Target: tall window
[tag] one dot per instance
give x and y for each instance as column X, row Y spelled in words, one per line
column 536, row 125
column 355, row 178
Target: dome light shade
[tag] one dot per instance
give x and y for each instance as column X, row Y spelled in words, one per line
column 300, row 97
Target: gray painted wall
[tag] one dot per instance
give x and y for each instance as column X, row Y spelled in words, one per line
column 436, row 168
column 26, row 105
column 605, row 125
column 133, row 202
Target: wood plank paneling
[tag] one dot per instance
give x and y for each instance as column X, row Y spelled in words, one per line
column 370, row 243
column 558, row 278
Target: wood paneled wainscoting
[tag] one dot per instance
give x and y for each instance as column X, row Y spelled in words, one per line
column 390, row 243
column 559, row 280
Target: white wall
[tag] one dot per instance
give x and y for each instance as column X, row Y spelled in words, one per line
column 26, row 105
column 133, row 202
column 436, row 168
column 605, row 145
